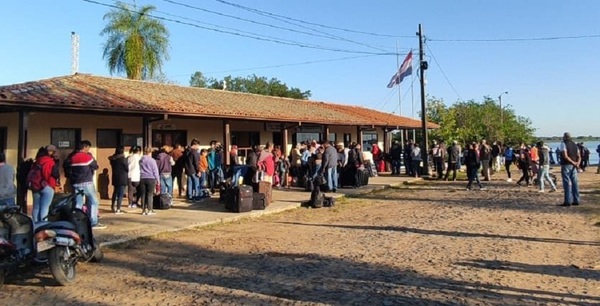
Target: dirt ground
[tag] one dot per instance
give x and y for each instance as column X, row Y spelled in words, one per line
column 431, row 243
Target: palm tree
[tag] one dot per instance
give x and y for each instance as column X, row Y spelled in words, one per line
column 137, row 43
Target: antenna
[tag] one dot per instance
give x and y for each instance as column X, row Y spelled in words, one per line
column 74, row 53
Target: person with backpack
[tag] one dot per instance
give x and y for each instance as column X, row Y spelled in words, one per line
column 8, row 190
column 509, row 159
column 42, row 181
column 82, row 166
column 120, row 169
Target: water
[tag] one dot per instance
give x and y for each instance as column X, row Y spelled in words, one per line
column 592, row 145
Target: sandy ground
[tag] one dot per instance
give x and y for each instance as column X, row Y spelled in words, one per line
column 425, row 244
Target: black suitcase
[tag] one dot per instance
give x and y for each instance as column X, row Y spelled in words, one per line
column 348, row 177
column 162, row 201
column 363, row 177
column 316, row 198
column 329, row 202
column 259, row 201
column 239, row 199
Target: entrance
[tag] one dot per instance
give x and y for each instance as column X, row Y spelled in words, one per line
column 2, row 139
column 168, row 138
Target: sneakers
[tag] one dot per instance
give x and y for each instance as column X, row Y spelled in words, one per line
column 151, row 213
column 99, row 226
column 118, row 212
column 553, row 190
column 132, row 205
column 144, row 213
column 509, row 180
column 541, row 191
column 482, row 188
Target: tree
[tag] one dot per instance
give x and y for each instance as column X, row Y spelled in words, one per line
column 251, row 84
column 468, row 121
column 136, row 43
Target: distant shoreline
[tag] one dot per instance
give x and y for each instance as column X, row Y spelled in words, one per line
column 576, row 139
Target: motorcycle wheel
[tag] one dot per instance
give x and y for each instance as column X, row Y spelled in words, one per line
column 62, row 266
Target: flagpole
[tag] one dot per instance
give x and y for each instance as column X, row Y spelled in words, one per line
column 399, row 98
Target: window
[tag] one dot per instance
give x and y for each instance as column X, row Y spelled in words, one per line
column 245, row 139
column 108, row 138
column 65, row 138
column 369, row 138
column 303, row 136
column 130, row 140
column 332, row 137
column 277, row 139
column 347, row 139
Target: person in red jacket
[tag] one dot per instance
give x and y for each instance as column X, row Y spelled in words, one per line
column 43, row 197
column 266, row 163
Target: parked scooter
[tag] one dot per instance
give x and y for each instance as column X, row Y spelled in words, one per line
column 63, row 241
column 66, row 238
column 17, row 248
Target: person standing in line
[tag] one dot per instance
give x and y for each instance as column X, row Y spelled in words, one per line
column 177, row 169
column 396, row 156
column 408, row 164
column 8, row 190
column 472, row 162
column 544, row 161
column 149, row 177
column 570, row 159
column 329, row 167
column 453, row 160
column 82, row 167
column 133, row 176
column 165, row 165
column 524, row 163
column 119, row 173
column 485, row 152
column 192, row 170
column 598, row 151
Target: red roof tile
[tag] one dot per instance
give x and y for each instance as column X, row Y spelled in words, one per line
column 87, row 92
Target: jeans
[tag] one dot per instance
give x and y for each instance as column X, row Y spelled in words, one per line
column 570, row 183
column 416, row 168
column 91, row 201
column 473, row 173
column 316, row 171
column 193, row 186
column 41, row 203
column 543, row 174
column 8, row 202
column 132, row 191
column 215, row 177
column 332, row 178
column 117, row 197
column 237, row 172
column 166, row 184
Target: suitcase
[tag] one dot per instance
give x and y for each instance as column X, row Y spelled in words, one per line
column 259, row 201
column 347, row 177
column 239, row 199
column 162, row 201
column 267, row 189
column 363, row 177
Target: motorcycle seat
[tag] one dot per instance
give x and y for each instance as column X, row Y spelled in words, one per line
column 55, row 225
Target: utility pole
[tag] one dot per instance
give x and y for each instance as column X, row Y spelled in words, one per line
column 424, row 142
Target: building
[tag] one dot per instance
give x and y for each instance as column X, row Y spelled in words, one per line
column 113, row 111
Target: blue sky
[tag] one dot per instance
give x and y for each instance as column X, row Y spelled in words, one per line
column 549, row 81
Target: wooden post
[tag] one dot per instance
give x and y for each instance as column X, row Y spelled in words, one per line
column 21, row 156
column 226, row 142
column 326, row 132
column 386, row 140
column 284, row 136
column 359, row 135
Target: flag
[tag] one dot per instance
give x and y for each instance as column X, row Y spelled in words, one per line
column 405, row 70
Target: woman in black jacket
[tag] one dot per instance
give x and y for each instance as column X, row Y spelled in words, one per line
column 524, row 162
column 118, row 163
column 472, row 162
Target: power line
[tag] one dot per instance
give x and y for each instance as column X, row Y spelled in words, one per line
column 327, row 35
column 517, row 39
column 442, row 71
column 283, row 65
column 261, row 38
column 273, row 15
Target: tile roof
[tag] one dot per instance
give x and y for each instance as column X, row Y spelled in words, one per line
column 95, row 93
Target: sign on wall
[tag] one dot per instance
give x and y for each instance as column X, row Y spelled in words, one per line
column 272, row 127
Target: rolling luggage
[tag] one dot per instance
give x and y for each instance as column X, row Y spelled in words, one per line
column 162, row 201
column 259, row 201
column 266, row 188
column 364, row 180
column 347, row 177
column 316, row 198
column 239, row 199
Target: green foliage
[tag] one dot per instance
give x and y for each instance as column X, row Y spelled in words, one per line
column 468, row 121
column 251, row 84
column 136, row 43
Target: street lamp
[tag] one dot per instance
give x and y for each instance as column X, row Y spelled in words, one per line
column 501, row 109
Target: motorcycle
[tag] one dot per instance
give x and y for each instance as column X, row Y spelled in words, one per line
column 62, row 241
column 17, row 248
column 66, row 239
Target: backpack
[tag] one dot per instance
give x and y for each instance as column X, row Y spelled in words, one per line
column 35, row 179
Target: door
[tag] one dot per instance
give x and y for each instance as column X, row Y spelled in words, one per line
column 168, row 138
